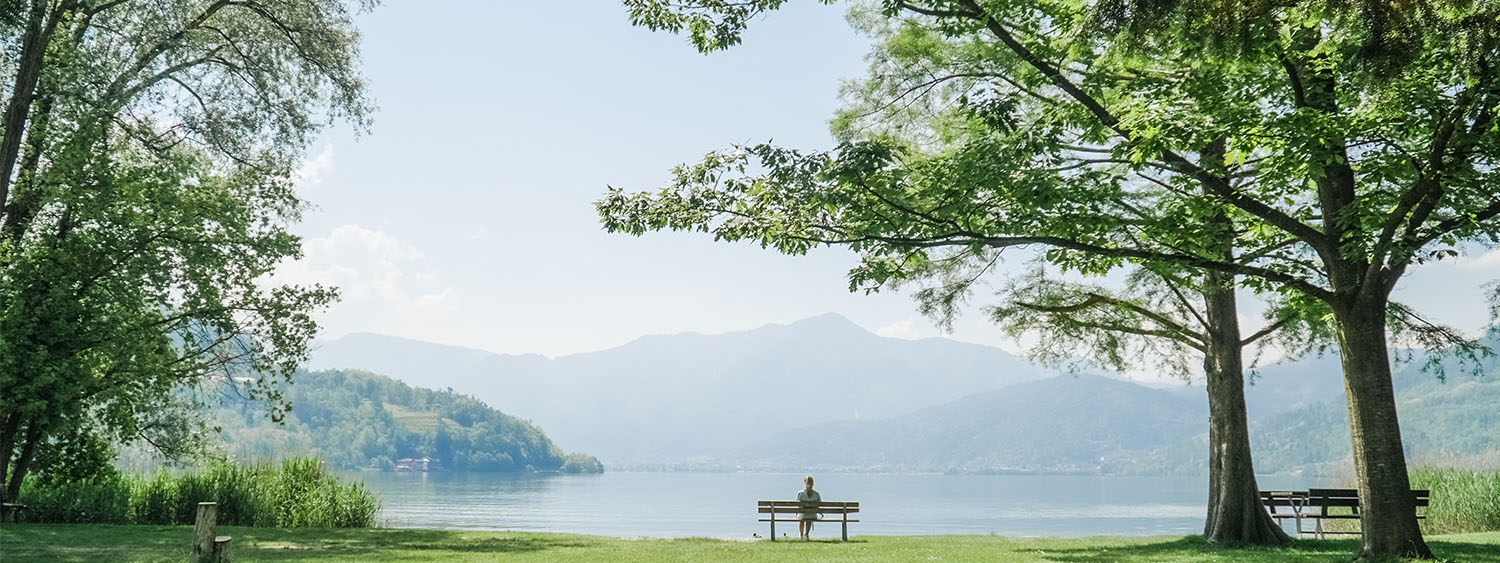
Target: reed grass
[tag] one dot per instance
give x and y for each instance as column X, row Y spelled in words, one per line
column 1463, row 500
column 295, row 493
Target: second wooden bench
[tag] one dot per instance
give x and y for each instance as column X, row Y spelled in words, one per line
column 1320, row 505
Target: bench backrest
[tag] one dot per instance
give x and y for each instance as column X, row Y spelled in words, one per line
column 798, row 506
column 1350, row 497
column 1329, row 498
column 1325, row 499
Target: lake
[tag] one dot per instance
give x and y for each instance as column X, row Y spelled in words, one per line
column 723, row 504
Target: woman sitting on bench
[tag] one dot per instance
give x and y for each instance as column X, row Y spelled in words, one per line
column 807, row 495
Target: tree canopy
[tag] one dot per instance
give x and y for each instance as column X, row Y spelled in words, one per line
column 146, row 188
column 1293, row 165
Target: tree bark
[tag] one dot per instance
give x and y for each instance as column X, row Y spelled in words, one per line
column 39, row 28
column 7, row 443
column 34, row 436
column 1235, row 512
column 25, row 195
column 1387, row 510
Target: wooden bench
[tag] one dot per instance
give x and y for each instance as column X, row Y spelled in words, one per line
column 1320, row 505
column 774, row 511
column 1294, row 503
column 11, row 512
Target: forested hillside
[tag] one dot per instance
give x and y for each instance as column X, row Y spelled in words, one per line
column 355, row 419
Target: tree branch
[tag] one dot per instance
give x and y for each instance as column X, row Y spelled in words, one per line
column 1219, row 186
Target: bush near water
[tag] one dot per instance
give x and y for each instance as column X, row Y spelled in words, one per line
column 295, row 493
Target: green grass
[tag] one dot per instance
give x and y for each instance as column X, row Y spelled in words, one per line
column 61, row 542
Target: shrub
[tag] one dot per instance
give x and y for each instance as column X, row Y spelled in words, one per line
column 295, row 493
column 581, row 463
column 106, row 498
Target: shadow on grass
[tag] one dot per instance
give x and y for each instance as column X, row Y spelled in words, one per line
column 1459, row 551
column 298, row 543
column 1192, row 548
column 780, row 541
column 62, row 542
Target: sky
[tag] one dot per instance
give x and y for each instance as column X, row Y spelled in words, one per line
column 464, row 215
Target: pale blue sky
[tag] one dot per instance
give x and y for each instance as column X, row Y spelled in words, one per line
column 465, row 216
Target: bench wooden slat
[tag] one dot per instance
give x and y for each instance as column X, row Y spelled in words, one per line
column 798, row 503
column 798, row 509
column 1422, row 496
column 822, row 521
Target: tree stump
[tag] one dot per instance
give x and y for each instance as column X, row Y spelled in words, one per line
column 221, row 549
column 203, row 533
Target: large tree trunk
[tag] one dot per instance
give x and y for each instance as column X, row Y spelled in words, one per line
column 8, row 431
column 1387, row 509
column 34, row 437
column 39, row 28
column 1235, row 513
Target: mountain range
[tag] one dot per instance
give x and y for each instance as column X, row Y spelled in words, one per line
column 693, row 396
column 824, row 394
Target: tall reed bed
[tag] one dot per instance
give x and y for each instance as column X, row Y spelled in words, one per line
column 1463, row 500
column 295, row 493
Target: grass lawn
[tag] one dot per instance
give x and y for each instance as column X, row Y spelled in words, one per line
column 93, row 542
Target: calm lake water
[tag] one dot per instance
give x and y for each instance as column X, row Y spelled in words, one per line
column 723, row 504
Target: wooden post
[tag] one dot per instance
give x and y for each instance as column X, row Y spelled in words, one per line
column 845, row 511
column 203, row 532
column 773, row 521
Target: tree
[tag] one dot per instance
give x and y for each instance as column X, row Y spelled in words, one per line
column 146, row 168
column 1155, row 321
column 1334, row 178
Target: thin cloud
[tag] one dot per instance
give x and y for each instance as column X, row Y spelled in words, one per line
column 370, row 267
column 314, row 170
column 904, row 329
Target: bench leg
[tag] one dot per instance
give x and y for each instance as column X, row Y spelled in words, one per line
column 846, row 531
column 773, row 526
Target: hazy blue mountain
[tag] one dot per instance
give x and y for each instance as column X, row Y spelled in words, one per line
column 1095, row 424
column 1458, row 415
column 1063, row 424
column 424, row 364
column 1284, row 386
column 825, row 393
column 690, row 396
